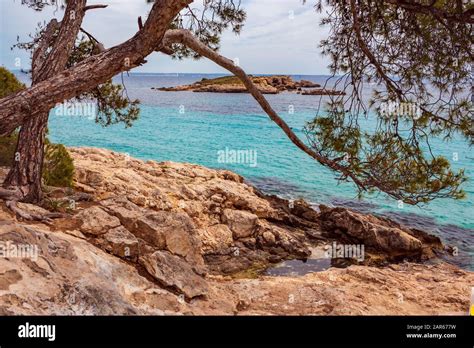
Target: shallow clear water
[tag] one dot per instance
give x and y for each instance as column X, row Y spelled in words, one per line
column 193, row 127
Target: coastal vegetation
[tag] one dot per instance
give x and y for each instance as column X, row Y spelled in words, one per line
column 123, row 236
column 415, row 43
column 58, row 168
column 8, row 83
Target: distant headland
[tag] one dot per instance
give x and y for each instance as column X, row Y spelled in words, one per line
column 274, row 84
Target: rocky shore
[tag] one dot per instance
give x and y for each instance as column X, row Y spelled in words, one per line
column 266, row 84
column 172, row 238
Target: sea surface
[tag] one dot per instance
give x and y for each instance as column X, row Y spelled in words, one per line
column 198, row 127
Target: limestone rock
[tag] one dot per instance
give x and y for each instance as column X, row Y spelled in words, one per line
column 180, row 245
column 179, row 205
column 126, row 211
column 403, row 289
column 96, row 221
column 66, row 276
column 273, row 238
column 120, row 242
column 216, row 239
column 241, row 223
column 302, row 209
column 268, row 237
column 370, row 230
column 173, row 272
column 177, row 229
column 32, row 209
column 92, row 177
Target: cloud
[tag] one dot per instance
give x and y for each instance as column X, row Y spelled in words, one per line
column 279, row 36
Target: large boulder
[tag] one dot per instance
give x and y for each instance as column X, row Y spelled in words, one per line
column 178, row 231
column 162, row 230
column 303, row 210
column 379, row 234
column 241, row 223
column 127, row 212
column 64, row 275
column 173, row 272
column 120, row 242
column 96, row 221
column 216, row 239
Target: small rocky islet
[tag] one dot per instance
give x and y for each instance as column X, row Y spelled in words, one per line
column 266, row 84
column 174, row 238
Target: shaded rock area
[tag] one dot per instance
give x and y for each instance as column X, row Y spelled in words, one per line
column 266, row 84
column 171, row 238
column 174, row 272
column 379, row 235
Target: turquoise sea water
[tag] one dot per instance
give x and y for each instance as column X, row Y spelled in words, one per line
column 194, row 127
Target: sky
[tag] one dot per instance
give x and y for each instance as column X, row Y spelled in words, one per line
column 279, row 36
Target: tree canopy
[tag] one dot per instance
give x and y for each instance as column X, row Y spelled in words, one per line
column 418, row 55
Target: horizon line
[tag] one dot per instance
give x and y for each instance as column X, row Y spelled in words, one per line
column 196, row 73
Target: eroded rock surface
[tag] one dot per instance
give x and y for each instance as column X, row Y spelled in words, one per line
column 379, row 234
column 209, row 218
column 170, row 238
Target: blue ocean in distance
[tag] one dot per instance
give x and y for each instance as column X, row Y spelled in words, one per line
column 194, row 127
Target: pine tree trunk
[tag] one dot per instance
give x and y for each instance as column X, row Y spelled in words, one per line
column 49, row 59
column 26, row 171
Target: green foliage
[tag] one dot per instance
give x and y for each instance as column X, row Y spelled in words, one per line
column 224, row 80
column 58, row 166
column 39, row 5
column 207, row 23
column 114, row 105
column 8, row 83
column 417, row 55
column 7, row 149
column 57, row 205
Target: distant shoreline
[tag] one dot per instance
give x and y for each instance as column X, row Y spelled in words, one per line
column 177, row 74
column 267, row 84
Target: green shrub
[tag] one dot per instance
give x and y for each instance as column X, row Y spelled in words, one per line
column 58, row 166
column 8, row 83
column 7, row 149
